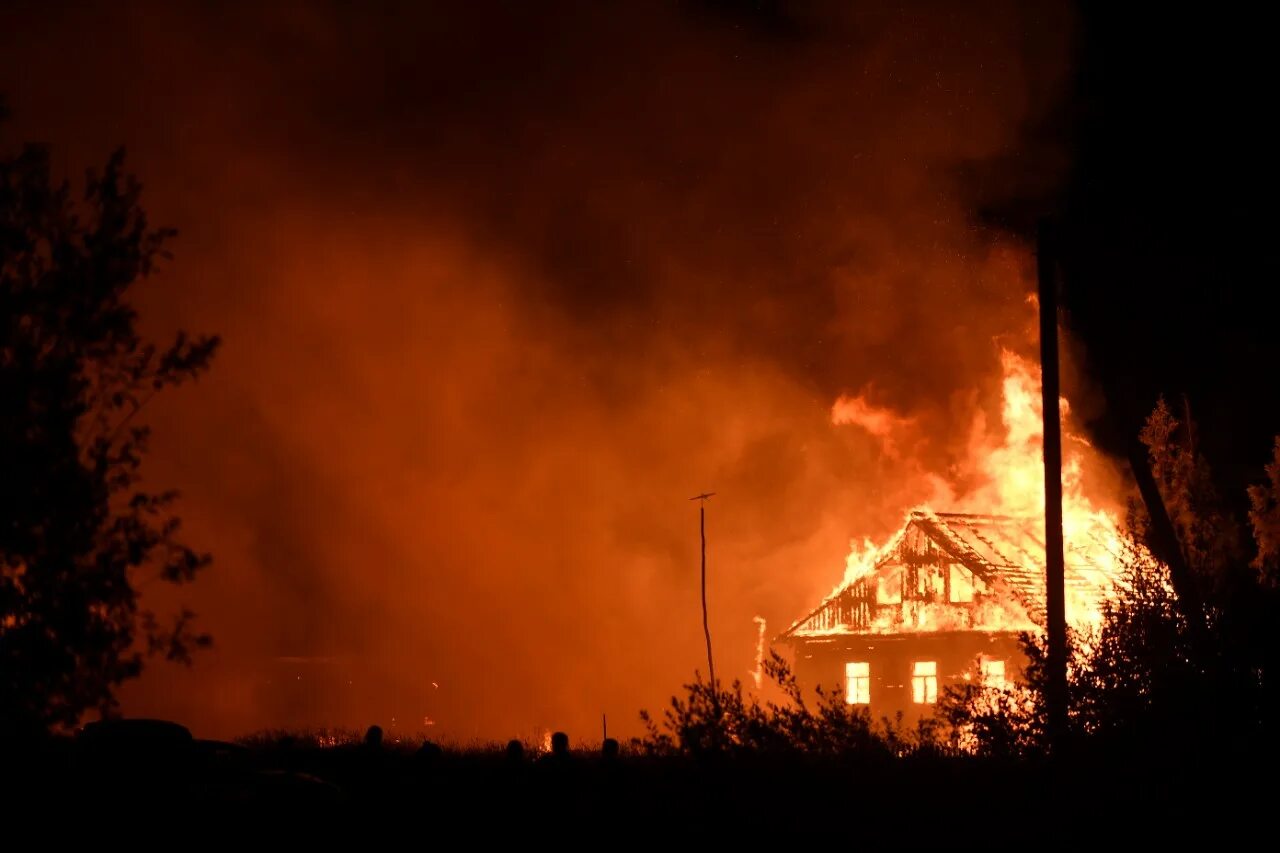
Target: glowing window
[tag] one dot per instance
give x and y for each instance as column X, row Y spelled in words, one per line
column 857, row 683
column 924, row 682
column 993, row 673
column 961, row 584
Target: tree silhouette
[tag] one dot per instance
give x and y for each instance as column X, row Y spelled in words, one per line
column 1143, row 679
column 76, row 527
column 1264, row 515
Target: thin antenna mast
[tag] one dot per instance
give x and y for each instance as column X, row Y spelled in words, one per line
column 706, row 626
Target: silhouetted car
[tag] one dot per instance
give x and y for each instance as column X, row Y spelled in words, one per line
column 135, row 734
column 129, row 756
column 283, row 788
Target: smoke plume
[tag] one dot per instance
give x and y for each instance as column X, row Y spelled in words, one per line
column 502, row 287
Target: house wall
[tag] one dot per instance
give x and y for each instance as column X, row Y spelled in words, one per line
column 821, row 662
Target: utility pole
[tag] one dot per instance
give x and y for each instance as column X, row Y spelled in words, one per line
column 1054, row 567
column 706, row 626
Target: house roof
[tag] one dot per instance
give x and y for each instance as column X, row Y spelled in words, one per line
column 1001, row 550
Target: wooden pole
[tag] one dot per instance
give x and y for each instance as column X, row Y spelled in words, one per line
column 706, row 625
column 1055, row 581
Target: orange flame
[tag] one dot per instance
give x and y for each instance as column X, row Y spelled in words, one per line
column 1011, row 468
column 881, row 422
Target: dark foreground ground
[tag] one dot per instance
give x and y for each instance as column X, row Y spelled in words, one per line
column 122, row 790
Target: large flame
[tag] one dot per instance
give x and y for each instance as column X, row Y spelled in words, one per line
column 1010, row 466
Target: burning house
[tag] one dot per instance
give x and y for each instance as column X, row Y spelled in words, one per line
column 942, row 603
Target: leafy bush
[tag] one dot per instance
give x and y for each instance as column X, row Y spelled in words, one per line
column 715, row 720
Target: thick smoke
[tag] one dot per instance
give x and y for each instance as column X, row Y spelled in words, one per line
column 501, row 288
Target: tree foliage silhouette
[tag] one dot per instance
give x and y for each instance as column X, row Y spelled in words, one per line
column 725, row 721
column 1143, row 680
column 77, row 528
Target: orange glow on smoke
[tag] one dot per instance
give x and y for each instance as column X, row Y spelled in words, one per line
column 527, row 286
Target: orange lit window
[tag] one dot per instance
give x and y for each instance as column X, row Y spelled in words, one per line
column 993, row 673
column 857, row 683
column 924, row 682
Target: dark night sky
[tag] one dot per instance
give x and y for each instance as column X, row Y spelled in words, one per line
column 502, row 284
column 1170, row 210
